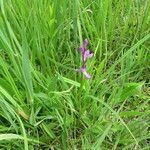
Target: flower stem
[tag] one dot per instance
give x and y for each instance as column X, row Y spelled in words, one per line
column 80, row 92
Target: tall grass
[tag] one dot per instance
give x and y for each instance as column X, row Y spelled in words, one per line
column 45, row 103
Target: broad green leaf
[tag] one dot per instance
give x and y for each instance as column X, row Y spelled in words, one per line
column 131, row 89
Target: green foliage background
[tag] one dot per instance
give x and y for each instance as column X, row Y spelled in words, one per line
column 45, row 103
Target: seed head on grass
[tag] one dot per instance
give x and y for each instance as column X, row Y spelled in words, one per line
column 86, row 54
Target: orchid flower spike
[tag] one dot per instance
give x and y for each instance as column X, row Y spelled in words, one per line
column 86, row 54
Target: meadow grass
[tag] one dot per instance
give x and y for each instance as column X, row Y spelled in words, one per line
column 46, row 104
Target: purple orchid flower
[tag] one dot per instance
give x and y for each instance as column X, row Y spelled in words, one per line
column 83, row 70
column 83, row 47
column 85, row 55
column 85, row 43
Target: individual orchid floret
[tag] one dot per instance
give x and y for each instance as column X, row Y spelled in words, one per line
column 87, row 54
column 83, row 47
column 83, row 70
column 85, row 43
